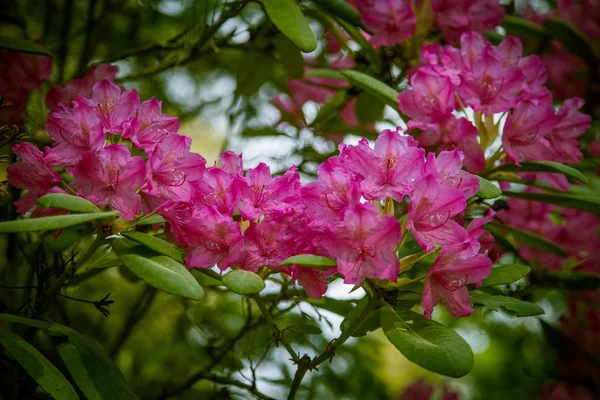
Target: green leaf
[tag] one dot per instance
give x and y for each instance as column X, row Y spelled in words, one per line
column 326, row 73
column 356, row 35
column 22, row 45
column 520, row 307
column 368, row 108
column 369, row 324
column 287, row 16
column 67, row 202
column 506, row 273
column 91, row 368
column 289, row 56
column 574, row 41
column 36, row 365
column 520, row 27
column 529, row 239
column 151, row 220
column 341, row 9
column 339, row 307
column 487, row 190
column 309, row 260
column 243, row 282
column 160, row 246
column 573, row 280
column 51, row 223
column 374, row 86
column 590, row 203
column 331, row 107
column 544, row 166
column 250, row 80
column 427, row 343
column 157, row 270
column 305, row 328
column 104, row 257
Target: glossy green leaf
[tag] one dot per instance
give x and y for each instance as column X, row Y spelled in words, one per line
column 91, row 368
column 331, row 107
column 506, row 273
column 368, row 108
column 487, row 190
column 374, row 86
column 529, row 239
column 519, row 307
column 571, row 38
column 305, row 328
column 51, row 223
column 325, row 73
column 160, row 246
column 427, row 343
column 104, row 257
column 22, row 45
column 341, row 9
column 289, row 56
column 590, row 203
column 544, row 166
column 523, row 28
column 369, row 323
column 151, row 220
column 243, row 282
column 309, row 260
column 36, row 365
column 287, row 16
column 157, row 270
column 357, row 35
column 68, row 202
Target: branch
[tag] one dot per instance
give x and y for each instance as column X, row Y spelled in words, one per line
column 232, row 382
column 277, row 333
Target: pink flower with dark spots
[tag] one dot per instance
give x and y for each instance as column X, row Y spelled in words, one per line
column 32, row 173
column 363, row 244
column 571, row 124
column 432, row 95
column 111, row 177
column 150, row 126
column 267, row 244
column 75, row 130
column 432, row 204
column 262, row 194
column 172, row 168
column 390, row 169
column 217, row 188
column 391, row 21
column 446, row 281
column 115, row 106
column 447, row 167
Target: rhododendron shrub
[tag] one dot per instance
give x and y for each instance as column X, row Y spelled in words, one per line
column 441, row 170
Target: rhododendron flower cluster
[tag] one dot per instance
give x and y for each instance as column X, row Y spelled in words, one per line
column 392, row 21
column 491, row 80
column 225, row 218
column 20, row 73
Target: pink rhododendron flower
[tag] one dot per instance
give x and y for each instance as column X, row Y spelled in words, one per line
column 432, row 95
column 570, row 125
column 217, row 188
column 111, row 176
column 266, row 245
column 261, row 193
column 418, row 390
column 448, row 133
column 232, row 162
column 455, row 17
column 311, row 279
column 115, row 107
column 75, row 130
column 390, row 169
column 447, row 167
column 20, row 73
column 171, row 169
column 32, row 173
column 82, row 87
column 527, row 128
column 150, row 125
column 487, row 84
column 363, row 243
column 432, row 204
column 446, row 281
column 209, row 237
column 391, row 21
column 335, row 190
